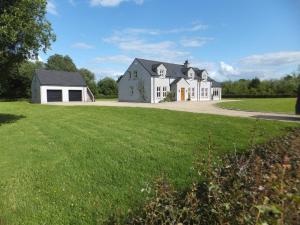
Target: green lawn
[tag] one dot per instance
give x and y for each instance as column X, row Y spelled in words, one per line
column 278, row 105
column 78, row 165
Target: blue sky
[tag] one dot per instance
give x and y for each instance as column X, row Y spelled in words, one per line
column 232, row 39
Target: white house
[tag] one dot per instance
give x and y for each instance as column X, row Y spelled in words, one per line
column 59, row 86
column 151, row 81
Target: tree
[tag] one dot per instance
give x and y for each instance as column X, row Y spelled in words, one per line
column 18, row 84
column 89, row 79
column 24, row 31
column 60, row 62
column 108, row 87
column 254, row 83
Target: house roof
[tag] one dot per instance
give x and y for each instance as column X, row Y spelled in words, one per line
column 177, row 80
column 174, row 70
column 60, row 78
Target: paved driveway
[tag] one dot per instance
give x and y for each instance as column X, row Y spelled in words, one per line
column 208, row 107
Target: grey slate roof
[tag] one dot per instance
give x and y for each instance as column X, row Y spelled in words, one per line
column 173, row 70
column 60, row 78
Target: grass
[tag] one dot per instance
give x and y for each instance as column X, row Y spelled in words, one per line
column 277, row 105
column 78, row 165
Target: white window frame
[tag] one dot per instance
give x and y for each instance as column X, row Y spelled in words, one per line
column 165, row 91
column 202, row 92
column 193, row 92
column 135, row 74
column 162, row 72
column 158, row 92
column 206, row 92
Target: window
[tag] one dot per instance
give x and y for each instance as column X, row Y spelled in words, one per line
column 164, row 92
column 158, row 94
column 131, row 91
column 161, row 72
column 206, row 92
column 202, row 92
column 135, row 74
column 193, row 92
column 129, row 73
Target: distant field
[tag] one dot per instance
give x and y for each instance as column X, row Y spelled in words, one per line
column 78, row 165
column 278, row 105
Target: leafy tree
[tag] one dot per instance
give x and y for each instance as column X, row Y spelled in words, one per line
column 60, row 62
column 24, row 31
column 89, row 79
column 107, row 86
column 254, row 83
column 18, row 84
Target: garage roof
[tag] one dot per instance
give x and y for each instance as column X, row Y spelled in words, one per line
column 60, row 78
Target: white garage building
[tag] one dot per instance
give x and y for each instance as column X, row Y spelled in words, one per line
column 59, row 86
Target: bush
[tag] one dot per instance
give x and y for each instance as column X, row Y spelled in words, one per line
column 170, row 97
column 260, row 186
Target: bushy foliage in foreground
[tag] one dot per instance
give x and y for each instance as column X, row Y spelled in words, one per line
column 259, row 187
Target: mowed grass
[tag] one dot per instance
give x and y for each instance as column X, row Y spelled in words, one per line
column 79, row 165
column 277, row 105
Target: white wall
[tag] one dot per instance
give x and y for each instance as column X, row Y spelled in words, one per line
column 65, row 92
column 205, row 84
column 143, row 81
column 159, row 82
column 218, row 91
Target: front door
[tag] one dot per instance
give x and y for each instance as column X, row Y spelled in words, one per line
column 182, row 94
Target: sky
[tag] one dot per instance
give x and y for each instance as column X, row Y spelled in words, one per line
column 231, row 39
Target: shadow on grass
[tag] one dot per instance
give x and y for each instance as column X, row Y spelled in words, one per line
column 9, row 118
column 282, row 118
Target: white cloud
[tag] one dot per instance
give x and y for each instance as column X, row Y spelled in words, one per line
column 51, row 8
column 159, row 50
column 272, row 59
column 82, row 45
column 139, row 31
column 112, row 3
column 106, row 72
column 195, row 27
column 120, row 59
column 195, row 42
column 226, row 69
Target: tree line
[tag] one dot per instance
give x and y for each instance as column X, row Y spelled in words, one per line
column 286, row 86
column 17, row 83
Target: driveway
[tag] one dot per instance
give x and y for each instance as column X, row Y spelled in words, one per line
column 208, row 107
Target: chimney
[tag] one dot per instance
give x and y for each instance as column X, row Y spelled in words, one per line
column 186, row 64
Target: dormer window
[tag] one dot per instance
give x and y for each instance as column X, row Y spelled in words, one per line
column 161, row 73
column 191, row 73
column 161, row 70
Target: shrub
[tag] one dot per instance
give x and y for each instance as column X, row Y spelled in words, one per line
column 260, row 186
column 170, row 97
